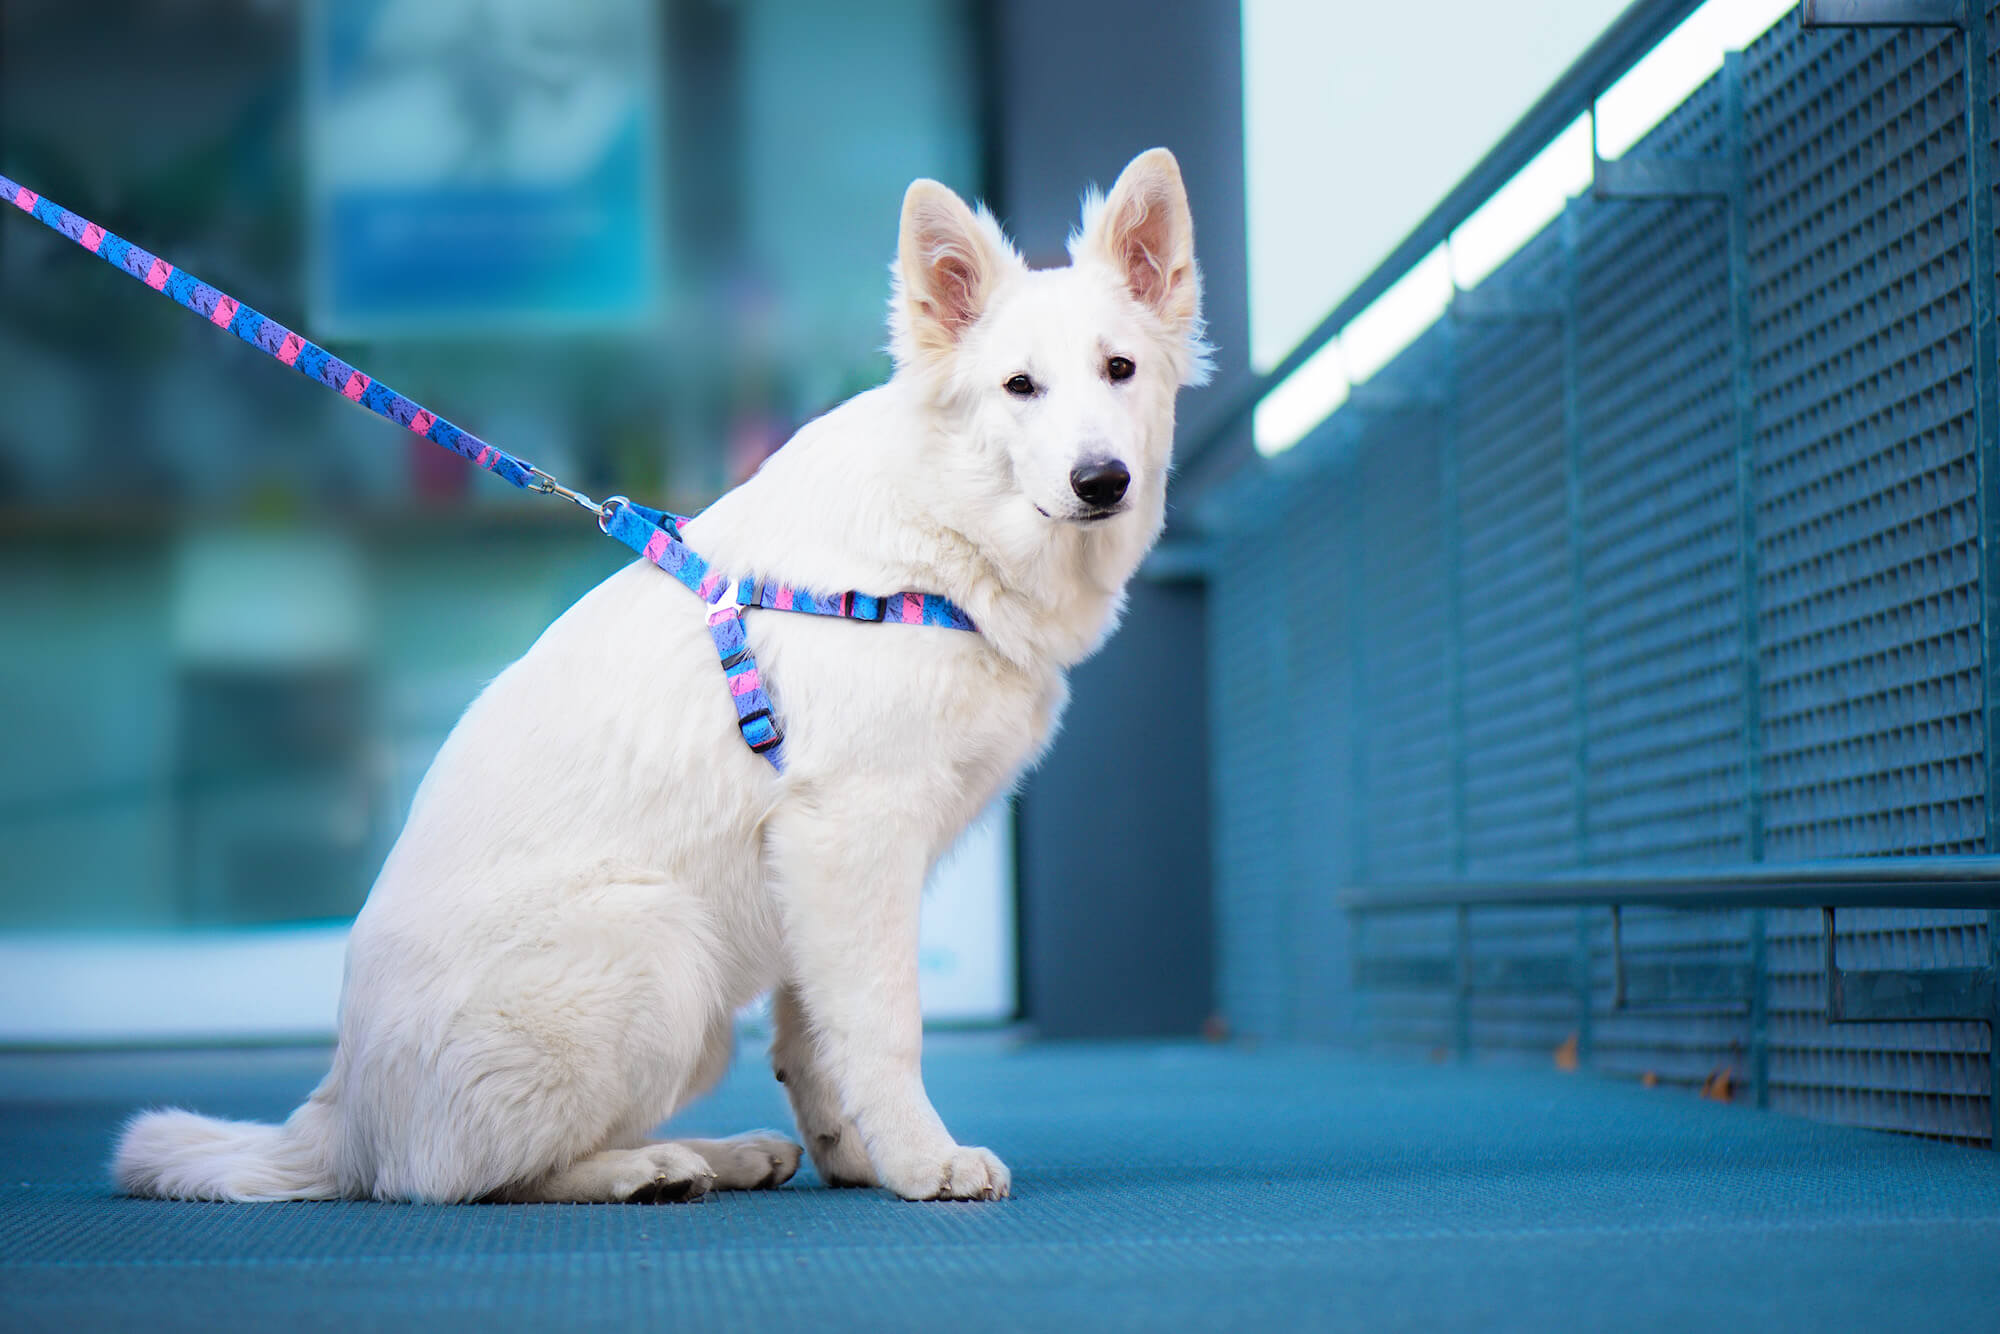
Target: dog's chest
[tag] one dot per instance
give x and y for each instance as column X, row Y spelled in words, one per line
column 865, row 699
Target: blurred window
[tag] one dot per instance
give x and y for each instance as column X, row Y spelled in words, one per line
column 241, row 615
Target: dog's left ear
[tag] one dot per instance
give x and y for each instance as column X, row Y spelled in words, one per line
column 1144, row 231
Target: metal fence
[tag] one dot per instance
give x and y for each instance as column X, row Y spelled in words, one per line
column 1662, row 551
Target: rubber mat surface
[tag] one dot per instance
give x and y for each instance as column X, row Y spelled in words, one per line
column 1157, row 1187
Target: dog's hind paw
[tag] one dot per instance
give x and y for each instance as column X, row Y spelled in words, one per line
column 677, row 1175
column 758, row 1160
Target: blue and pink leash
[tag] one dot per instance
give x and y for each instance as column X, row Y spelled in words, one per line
column 654, row 534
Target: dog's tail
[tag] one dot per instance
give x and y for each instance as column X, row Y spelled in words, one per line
column 176, row 1155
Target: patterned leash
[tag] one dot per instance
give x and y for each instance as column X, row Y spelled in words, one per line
column 654, row 534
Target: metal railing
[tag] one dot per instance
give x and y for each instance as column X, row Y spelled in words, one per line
column 1207, row 456
column 1847, row 995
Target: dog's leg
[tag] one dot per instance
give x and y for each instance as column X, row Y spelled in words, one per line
column 755, row 1160
column 850, row 883
column 664, row 1173
column 830, row 1137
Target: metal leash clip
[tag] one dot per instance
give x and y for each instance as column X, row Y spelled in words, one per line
column 549, row 486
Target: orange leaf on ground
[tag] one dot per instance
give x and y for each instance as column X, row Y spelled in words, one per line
column 1720, row 1086
column 1566, row 1055
column 1649, row 1080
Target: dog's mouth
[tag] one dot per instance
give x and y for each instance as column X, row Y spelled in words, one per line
column 1093, row 516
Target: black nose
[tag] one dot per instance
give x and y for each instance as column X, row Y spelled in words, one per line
column 1100, row 485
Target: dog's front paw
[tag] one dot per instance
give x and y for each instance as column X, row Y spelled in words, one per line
column 963, row 1174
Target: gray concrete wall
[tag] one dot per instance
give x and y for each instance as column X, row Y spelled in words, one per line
column 1114, row 848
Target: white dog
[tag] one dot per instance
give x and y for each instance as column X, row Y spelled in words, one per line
column 597, row 872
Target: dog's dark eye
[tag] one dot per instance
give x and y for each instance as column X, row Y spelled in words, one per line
column 1119, row 368
column 1020, row 386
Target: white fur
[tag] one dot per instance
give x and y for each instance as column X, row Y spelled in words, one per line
column 597, row 872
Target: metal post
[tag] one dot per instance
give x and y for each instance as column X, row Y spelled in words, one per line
column 1454, row 678
column 1572, row 419
column 1986, row 432
column 1617, row 956
column 1449, row 518
column 1357, row 681
column 1462, row 1007
column 1993, row 1031
column 1355, row 554
column 1290, row 883
column 1743, row 388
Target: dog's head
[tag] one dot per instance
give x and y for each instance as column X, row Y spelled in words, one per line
column 1058, row 384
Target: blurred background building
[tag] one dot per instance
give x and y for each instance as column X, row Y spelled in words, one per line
column 637, row 242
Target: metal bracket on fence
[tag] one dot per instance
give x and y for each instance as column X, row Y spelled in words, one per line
column 1919, row 996
column 1499, row 303
column 1662, row 178
column 1882, row 14
column 1673, row 982
column 1903, row 995
column 1429, row 972
column 1383, row 399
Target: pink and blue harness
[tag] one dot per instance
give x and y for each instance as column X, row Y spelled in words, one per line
column 654, row 534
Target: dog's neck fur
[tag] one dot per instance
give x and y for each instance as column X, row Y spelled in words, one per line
column 1044, row 593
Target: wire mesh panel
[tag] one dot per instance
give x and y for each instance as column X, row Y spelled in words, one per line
column 1516, row 623
column 1516, row 628
column 1867, row 519
column 1251, row 779
column 1403, row 818
column 1867, row 529
column 1404, row 831
column 1318, row 733
column 1662, row 571
column 1662, row 584
column 1391, row 1011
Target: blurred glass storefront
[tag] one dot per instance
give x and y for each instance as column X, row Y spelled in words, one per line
column 239, row 615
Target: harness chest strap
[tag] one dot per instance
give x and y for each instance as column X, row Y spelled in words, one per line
column 654, row 534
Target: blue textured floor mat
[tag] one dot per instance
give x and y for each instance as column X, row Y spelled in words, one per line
column 1157, row 1187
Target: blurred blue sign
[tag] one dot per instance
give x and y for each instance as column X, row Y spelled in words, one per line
column 483, row 165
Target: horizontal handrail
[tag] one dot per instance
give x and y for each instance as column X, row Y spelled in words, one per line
column 1902, row 882
column 1631, row 35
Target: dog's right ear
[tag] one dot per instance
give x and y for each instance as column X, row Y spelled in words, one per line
column 948, row 260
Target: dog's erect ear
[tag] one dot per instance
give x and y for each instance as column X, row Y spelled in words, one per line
column 948, row 260
column 1144, row 231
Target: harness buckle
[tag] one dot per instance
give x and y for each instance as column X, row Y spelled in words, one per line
column 727, row 602
column 771, row 742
